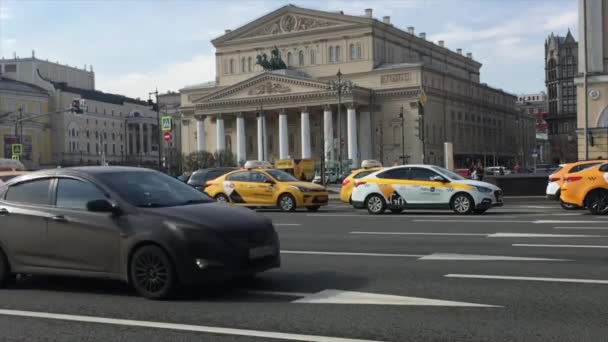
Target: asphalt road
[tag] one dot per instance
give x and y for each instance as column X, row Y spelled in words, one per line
column 418, row 276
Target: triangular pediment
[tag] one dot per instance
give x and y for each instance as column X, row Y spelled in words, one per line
column 263, row 85
column 290, row 20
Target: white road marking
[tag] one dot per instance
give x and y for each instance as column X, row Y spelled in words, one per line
column 539, row 206
column 580, row 228
column 558, row 280
column 351, row 297
column 518, row 235
column 419, row 233
column 354, row 254
column 181, row 327
column 474, row 257
column 557, row 246
column 475, row 221
column 277, row 293
column 287, row 224
column 562, row 221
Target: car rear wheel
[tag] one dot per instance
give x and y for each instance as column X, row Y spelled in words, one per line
column 152, row 273
column 375, row 204
column 221, row 198
column 597, row 202
column 313, row 208
column 462, row 204
column 287, row 202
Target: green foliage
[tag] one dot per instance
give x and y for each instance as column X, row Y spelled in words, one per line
column 274, row 63
column 203, row 160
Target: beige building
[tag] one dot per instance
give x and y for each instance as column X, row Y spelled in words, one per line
column 593, row 60
column 112, row 128
column 19, row 104
column 293, row 113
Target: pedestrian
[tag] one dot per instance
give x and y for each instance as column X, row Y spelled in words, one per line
column 517, row 168
column 479, row 170
column 501, row 171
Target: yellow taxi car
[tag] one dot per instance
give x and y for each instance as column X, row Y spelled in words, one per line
column 258, row 186
column 587, row 188
column 348, row 184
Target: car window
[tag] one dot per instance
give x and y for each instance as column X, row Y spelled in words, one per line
column 239, row 176
column 32, row 192
column 151, row 189
column 362, row 174
column 400, row 173
column 198, row 178
column 75, row 194
column 211, row 175
column 581, row 167
column 450, row 174
column 257, row 177
column 282, row 176
column 422, row 174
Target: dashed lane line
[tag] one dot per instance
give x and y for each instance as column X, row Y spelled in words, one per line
column 500, row 277
column 556, row 246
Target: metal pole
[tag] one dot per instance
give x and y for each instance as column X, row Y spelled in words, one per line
column 339, row 123
column 402, row 136
column 158, row 130
column 586, row 130
column 20, row 125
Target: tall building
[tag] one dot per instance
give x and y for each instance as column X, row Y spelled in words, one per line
column 112, row 128
column 593, row 68
column 561, row 59
column 535, row 106
column 295, row 113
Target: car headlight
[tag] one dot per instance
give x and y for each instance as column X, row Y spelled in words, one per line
column 304, row 189
column 483, row 189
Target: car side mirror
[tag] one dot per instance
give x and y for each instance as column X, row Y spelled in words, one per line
column 439, row 179
column 269, row 181
column 103, row 206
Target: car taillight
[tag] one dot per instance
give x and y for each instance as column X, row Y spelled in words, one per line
column 573, row 179
column 554, row 179
column 345, row 182
column 357, row 183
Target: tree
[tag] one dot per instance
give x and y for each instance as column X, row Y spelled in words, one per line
column 275, row 62
column 225, row 158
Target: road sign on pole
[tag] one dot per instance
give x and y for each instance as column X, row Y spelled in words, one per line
column 17, row 149
column 166, row 123
column 167, row 136
column 15, row 157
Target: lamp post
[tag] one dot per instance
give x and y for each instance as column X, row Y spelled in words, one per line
column 340, row 86
column 402, row 116
column 155, row 93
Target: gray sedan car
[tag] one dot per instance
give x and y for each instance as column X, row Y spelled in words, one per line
column 129, row 224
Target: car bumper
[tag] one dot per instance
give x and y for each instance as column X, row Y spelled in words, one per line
column 553, row 197
column 308, row 199
column 553, row 190
column 358, row 204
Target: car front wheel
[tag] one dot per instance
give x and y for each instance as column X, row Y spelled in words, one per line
column 597, row 202
column 462, row 204
column 152, row 273
column 221, row 198
column 375, row 204
column 287, row 202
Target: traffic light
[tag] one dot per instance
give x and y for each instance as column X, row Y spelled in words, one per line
column 153, row 105
column 77, row 106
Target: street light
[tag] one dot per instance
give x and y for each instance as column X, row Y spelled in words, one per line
column 402, row 116
column 340, row 86
column 157, row 107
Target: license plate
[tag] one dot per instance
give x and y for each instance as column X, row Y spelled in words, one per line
column 321, row 198
column 260, row 252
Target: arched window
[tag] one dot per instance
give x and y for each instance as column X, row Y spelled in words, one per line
column 551, row 70
column 243, row 65
column 232, row 66
column 313, row 57
column 249, row 64
column 338, row 57
column 331, row 54
column 301, row 58
column 289, row 59
column 359, row 51
column 353, row 52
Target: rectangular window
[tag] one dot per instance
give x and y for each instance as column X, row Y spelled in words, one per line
column 10, row 68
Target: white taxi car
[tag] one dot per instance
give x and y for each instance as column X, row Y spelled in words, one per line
column 423, row 187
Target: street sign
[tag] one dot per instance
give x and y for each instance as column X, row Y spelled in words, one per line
column 17, row 149
column 166, row 123
column 167, row 136
column 15, row 157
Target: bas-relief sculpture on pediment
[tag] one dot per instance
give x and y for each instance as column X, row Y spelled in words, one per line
column 291, row 23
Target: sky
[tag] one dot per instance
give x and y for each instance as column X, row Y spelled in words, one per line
column 135, row 46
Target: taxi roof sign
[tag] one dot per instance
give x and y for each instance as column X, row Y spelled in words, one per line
column 257, row 164
column 369, row 163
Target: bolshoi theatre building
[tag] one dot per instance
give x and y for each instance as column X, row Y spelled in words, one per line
column 373, row 110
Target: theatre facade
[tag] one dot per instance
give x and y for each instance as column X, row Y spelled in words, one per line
column 375, row 114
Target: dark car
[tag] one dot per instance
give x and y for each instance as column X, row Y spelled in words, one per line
column 199, row 178
column 131, row 224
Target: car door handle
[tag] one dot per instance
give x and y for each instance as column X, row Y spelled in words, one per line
column 59, row 218
column 3, row 212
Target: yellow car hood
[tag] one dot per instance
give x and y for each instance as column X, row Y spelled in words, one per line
column 308, row 185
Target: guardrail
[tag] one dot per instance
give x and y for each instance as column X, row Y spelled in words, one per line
column 520, row 184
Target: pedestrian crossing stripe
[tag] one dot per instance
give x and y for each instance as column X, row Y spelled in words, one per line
column 166, row 123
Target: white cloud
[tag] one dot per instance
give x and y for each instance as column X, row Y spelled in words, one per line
column 568, row 19
column 199, row 69
column 5, row 13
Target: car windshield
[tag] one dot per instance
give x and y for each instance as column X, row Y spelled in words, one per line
column 447, row 173
column 197, row 178
column 148, row 189
column 282, row 176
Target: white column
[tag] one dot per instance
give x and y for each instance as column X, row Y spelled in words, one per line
column 141, row 139
column 150, row 139
column 200, row 134
column 283, row 136
column 305, row 133
column 351, row 124
column 128, row 141
column 241, row 153
column 261, row 137
column 220, row 140
column 365, row 135
column 328, row 134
